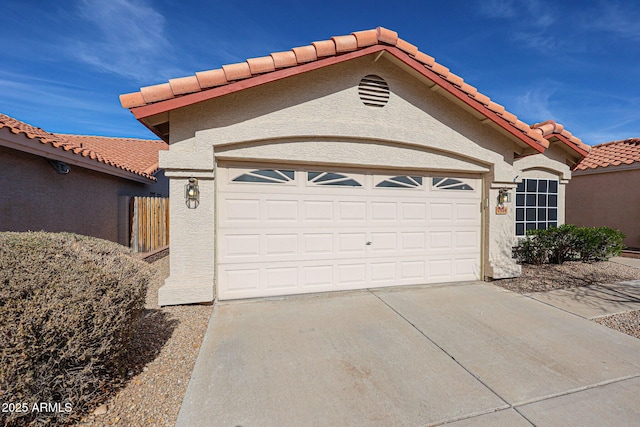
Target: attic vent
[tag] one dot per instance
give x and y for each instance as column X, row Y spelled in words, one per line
column 373, row 91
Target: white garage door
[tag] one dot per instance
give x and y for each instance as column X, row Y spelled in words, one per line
column 298, row 230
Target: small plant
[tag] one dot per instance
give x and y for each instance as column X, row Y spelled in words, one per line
column 567, row 243
column 68, row 308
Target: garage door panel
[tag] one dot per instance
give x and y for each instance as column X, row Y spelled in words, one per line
column 352, row 243
column 353, row 276
column 281, row 278
column 241, row 245
column 281, row 210
column 384, row 211
column 317, row 210
column 440, row 240
column 300, row 236
column 467, row 239
column 412, row 270
column 413, row 241
column 413, row 211
column 383, row 272
column 281, row 244
column 384, row 242
column 318, row 277
column 352, row 211
column 241, row 210
column 440, row 211
column 316, row 243
column 467, row 212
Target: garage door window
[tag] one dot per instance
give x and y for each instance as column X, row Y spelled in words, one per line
column 402, row 181
column 450, row 184
column 267, row 176
column 333, row 179
column 536, row 205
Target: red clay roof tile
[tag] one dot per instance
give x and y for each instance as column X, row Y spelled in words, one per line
column 325, row 48
column 345, row 43
column 456, row 80
column 157, row 92
column 261, row 65
column 425, row 59
column 366, row 38
column 138, row 156
column 440, row 69
column 407, row 47
column 184, row 85
column 131, row 100
column 336, row 46
column 237, row 71
column 387, row 36
column 305, row 54
column 284, row 59
column 612, row 153
column 211, row 78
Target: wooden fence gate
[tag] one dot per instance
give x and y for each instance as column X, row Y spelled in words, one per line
column 149, row 223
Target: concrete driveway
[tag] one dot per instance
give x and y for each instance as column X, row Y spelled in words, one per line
column 466, row 354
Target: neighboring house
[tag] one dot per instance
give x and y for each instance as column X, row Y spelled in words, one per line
column 354, row 162
column 79, row 184
column 605, row 190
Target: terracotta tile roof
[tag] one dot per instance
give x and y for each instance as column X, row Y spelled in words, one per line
column 138, row 156
column 335, row 47
column 615, row 153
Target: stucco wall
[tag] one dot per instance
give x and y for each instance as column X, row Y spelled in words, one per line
column 606, row 199
column 34, row 197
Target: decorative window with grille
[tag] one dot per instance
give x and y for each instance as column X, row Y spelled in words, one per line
column 536, row 205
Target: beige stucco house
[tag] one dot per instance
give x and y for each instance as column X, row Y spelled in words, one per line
column 605, row 189
column 354, row 162
column 74, row 183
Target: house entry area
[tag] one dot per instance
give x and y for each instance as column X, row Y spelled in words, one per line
column 287, row 229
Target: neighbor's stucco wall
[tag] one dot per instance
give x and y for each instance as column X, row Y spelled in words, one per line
column 34, row 197
column 609, row 199
column 318, row 118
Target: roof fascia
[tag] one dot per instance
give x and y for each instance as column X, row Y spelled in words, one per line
column 607, row 169
column 48, row 151
column 451, row 89
column 567, row 144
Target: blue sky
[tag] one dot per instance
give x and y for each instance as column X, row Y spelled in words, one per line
column 64, row 64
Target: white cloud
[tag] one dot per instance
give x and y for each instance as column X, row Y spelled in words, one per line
column 616, row 18
column 124, row 37
column 498, row 8
column 534, row 105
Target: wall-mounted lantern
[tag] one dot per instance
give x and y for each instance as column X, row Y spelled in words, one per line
column 192, row 193
column 504, row 196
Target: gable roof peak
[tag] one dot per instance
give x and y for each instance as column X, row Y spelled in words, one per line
column 180, row 92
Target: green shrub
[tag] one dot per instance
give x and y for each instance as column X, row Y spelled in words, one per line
column 599, row 243
column 567, row 243
column 68, row 307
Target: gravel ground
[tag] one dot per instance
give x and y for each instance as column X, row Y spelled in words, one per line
column 573, row 274
column 165, row 349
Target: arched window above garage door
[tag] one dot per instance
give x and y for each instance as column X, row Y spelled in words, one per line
column 450, row 184
column 331, row 178
column 402, row 181
column 268, row 176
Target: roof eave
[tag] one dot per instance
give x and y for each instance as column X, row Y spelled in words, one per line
column 48, row 151
column 567, row 145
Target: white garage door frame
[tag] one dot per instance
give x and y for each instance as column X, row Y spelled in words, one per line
column 302, row 230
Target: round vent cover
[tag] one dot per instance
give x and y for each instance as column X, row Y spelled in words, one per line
column 373, row 91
